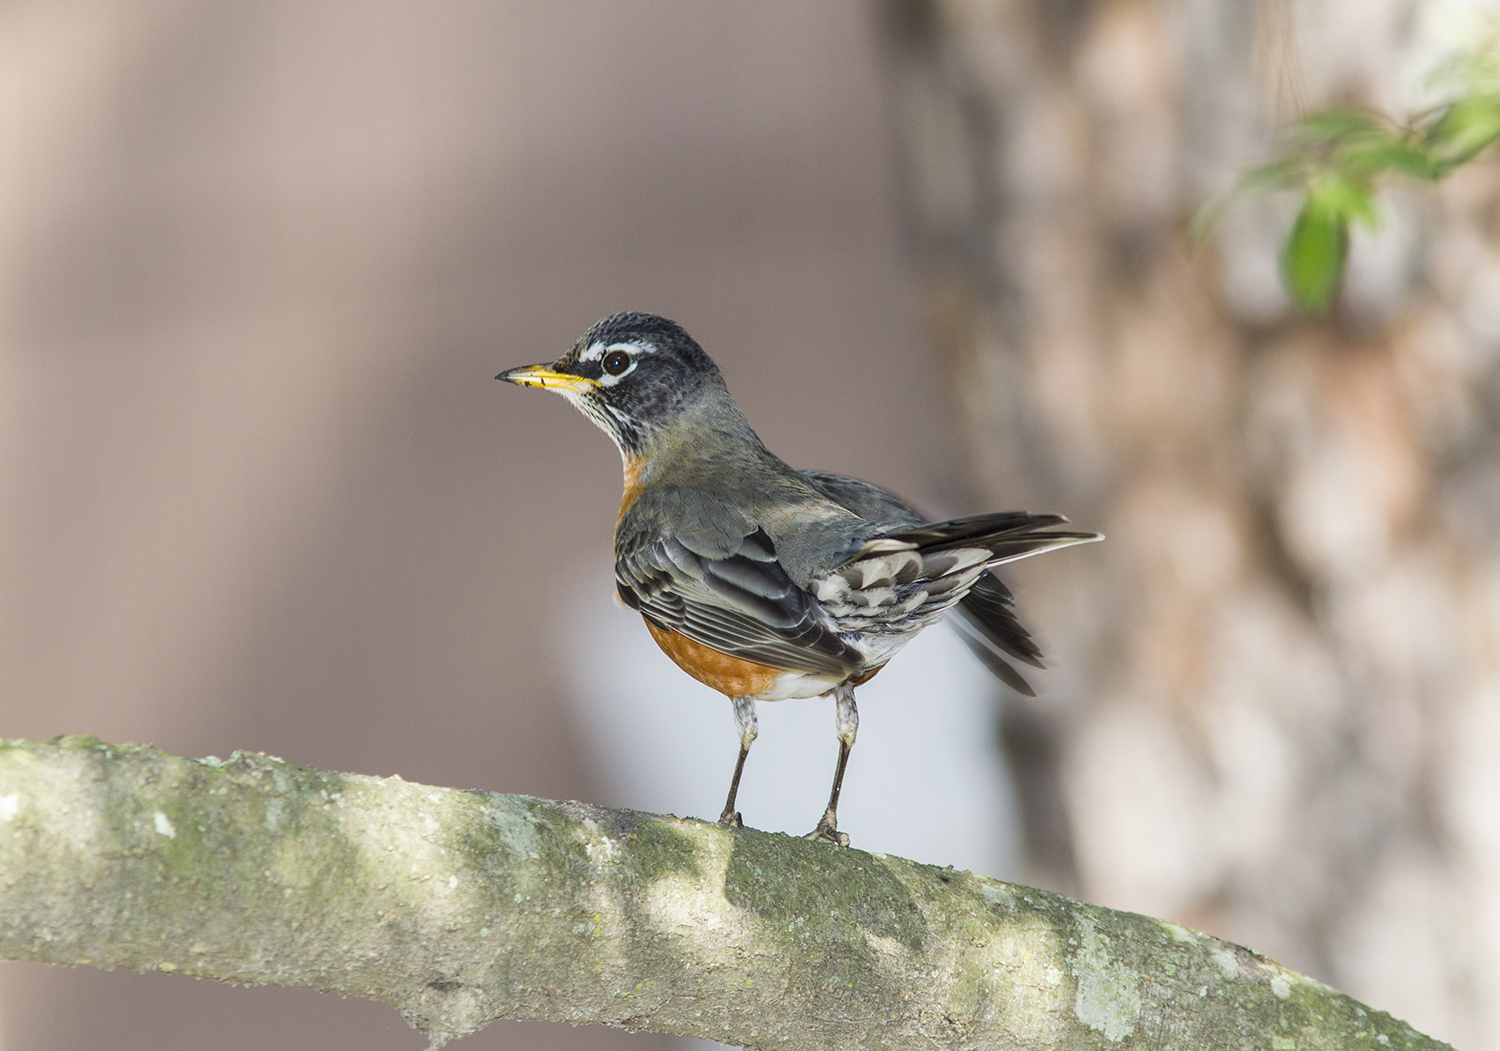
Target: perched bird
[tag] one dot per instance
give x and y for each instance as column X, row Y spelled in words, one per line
column 766, row 582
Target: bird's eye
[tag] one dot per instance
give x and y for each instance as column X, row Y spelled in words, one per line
column 616, row 362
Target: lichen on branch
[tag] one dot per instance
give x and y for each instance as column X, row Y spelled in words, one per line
column 460, row 907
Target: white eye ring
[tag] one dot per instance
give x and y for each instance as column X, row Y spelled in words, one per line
column 630, row 352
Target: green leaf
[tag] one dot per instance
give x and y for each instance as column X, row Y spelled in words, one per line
column 1312, row 260
column 1351, row 200
column 1465, row 128
column 1330, row 124
column 1390, row 153
column 1277, row 175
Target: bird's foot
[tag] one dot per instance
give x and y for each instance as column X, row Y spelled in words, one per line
column 731, row 819
column 828, row 831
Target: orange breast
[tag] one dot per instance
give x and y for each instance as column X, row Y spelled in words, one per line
column 731, row 676
column 632, row 485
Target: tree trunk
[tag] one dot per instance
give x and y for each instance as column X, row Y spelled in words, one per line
column 1274, row 713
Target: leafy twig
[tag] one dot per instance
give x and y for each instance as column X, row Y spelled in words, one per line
column 1339, row 157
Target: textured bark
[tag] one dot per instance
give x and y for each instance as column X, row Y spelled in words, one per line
column 461, row 907
column 1274, row 708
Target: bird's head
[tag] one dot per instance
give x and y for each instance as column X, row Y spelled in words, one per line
column 632, row 374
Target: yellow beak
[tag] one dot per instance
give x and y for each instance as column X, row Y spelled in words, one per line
column 548, row 378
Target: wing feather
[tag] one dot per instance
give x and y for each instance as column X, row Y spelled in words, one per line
column 743, row 604
column 728, row 590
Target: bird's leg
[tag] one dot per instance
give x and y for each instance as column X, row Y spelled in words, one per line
column 848, row 724
column 746, row 723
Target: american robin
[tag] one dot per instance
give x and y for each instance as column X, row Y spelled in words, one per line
column 763, row 581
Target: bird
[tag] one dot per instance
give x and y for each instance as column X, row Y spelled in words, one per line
column 766, row 582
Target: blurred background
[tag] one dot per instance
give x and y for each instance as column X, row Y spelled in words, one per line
column 259, row 262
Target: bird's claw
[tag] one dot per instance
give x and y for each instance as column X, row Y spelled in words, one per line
column 731, row 820
column 828, row 832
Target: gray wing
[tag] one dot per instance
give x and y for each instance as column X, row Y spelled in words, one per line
column 741, row 603
column 870, row 502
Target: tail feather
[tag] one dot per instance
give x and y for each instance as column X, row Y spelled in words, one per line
column 981, row 644
column 986, row 620
column 977, row 530
column 985, row 617
column 1007, row 535
column 991, row 608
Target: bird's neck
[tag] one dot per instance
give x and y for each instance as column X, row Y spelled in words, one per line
column 709, row 434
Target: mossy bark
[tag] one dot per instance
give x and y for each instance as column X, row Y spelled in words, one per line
column 460, row 907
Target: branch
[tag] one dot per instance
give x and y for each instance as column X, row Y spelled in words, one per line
column 460, row 907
